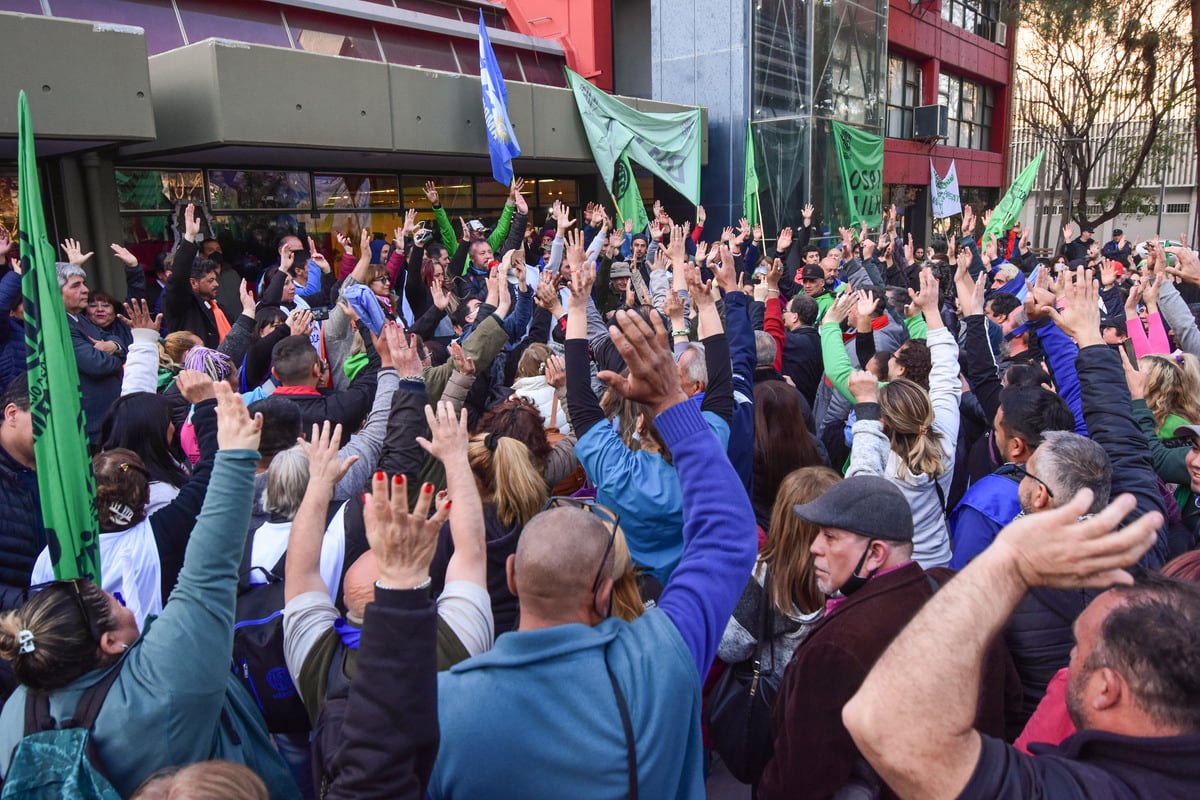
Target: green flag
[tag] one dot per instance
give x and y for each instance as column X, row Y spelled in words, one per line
column 60, row 445
column 750, row 185
column 666, row 144
column 628, row 198
column 860, row 160
column 1013, row 201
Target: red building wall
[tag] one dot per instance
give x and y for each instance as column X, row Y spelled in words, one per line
column 919, row 33
column 582, row 27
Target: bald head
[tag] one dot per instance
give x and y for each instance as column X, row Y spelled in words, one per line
column 358, row 588
column 555, row 566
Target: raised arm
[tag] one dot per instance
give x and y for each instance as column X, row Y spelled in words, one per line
column 302, row 572
column 719, row 534
column 141, row 362
column 448, row 444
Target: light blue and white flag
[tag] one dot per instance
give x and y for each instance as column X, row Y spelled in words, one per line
column 502, row 141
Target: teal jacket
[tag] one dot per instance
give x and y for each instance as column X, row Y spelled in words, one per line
column 175, row 685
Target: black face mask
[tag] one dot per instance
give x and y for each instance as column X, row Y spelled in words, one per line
column 216, row 257
column 856, row 581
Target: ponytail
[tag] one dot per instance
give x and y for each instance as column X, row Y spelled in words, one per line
column 508, row 473
column 908, row 413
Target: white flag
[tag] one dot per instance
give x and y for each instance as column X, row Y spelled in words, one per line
column 944, row 192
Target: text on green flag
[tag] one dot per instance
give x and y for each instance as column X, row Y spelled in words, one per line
column 860, row 161
column 60, row 444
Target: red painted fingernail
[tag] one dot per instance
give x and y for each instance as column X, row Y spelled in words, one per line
column 398, row 480
column 448, row 502
column 379, row 475
column 427, row 488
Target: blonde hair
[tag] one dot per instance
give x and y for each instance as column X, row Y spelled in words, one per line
column 626, row 594
column 908, row 417
column 786, row 553
column 66, row 641
column 178, row 344
column 204, row 780
column 533, row 360
column 509, row 476
column 1172, row 386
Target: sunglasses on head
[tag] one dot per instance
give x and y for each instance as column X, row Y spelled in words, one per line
column 610, row 518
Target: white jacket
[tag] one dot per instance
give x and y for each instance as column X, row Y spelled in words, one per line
column 541, row 394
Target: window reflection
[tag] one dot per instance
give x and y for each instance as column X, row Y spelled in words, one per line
column 348, row 190
column 236, row 189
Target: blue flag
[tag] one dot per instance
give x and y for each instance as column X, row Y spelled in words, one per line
column 502, row 142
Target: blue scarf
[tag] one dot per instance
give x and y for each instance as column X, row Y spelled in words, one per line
column 348, row 632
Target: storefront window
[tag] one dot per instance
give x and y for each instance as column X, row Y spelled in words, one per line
column 8, row 202
column 246, row 189
column 342, row 190
column 148, row 189
column 455, row 192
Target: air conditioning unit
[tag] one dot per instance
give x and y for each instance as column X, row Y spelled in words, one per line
column 930, row 122
column 1001, row 35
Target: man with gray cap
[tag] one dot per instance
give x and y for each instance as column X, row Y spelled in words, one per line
column 613, row 290
column 863, row 563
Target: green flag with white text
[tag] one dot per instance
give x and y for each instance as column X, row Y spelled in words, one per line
column 667, row 144
column 627, row 197
column 750, row 185
column 1006, row 213
column 860, row 161
column 60, row 444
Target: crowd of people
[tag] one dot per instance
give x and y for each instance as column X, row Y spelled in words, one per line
column 560, row 508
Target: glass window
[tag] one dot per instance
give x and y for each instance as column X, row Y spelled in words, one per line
column 490, row 195
column 414, row 48
column 565, row 190
column 977, row 16
column 232, row 19
column 154, row 16
column 343, row 190
column 970, row 108
column 332, row 35
column 904, row 94
column 543, row 68
column 321, row 228
column 237, row 189
column 8, row 203
column 148, row 189
column 144, row 228
column 454, row 192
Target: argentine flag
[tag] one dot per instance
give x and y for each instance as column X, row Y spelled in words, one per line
column 502, row 142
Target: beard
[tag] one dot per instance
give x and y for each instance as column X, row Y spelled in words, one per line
column 1075, row 699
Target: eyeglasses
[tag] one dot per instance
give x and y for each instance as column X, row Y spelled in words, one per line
column 74, row 584
column 607, row 516
column 1020, row 472
column 382, row 279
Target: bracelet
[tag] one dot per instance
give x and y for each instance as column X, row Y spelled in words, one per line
column 683, row 332
column 425, row 584
column 772, row 291
column 413, row 378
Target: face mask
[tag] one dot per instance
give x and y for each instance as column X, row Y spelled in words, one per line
column 855, row 581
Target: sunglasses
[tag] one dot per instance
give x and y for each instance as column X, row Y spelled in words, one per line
column 88, row 622
column 1020, row 472
column 610, row 518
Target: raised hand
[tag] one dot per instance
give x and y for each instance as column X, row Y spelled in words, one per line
column 863, row 387
column 127, row 258
column 195, row 386
column 448, row 431
column 1063, row 548
column 701, row 216
column 968, row 221
column 1187, row 265
column 75, row 254
column 403, row 542
column 517, row 197
column 1067, row 231
column 926, row 300
column 1081, row 318
column 699, row 289
column 317, row 257
column 300, row 321
column 325, row 467
column 575, row 251
column 701, row 252
column 235, row 429
column 583, row 278
column 807, row 213
column 839, row 310
column 364, row 240
column 191, row 224
column 137, row 315
column 864, row 304
column 463, row 363
column 343, row 241
column 656, row 231
column 562, row 216
column 556, row 373
column 784, row 241
column 774, row 274
column 726, row 272
column 437, row 290
column 247, row 299
column 653, row 379
column 286, row 257
column 431, row 193
column 677, row 249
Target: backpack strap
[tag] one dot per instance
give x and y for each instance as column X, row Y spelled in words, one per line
column 37, row 705
column 627, row 724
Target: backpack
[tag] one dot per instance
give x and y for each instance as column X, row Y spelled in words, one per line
column 51, row 762
column 258, row 659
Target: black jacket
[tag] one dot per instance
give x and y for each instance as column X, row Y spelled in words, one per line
column 390, row 730
column 22, row 535
column 802, row 360
column 184, row 311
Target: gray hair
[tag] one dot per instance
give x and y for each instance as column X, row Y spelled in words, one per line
column 765, row 348
column 287, row 480
column 1069, row 462
column 696, row 368
column 67, row 271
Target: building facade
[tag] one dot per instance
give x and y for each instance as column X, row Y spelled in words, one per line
column 274, row 114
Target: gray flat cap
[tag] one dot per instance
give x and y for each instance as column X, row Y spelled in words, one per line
column 864, row 504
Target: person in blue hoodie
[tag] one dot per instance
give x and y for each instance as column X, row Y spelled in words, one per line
column 577, row 703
